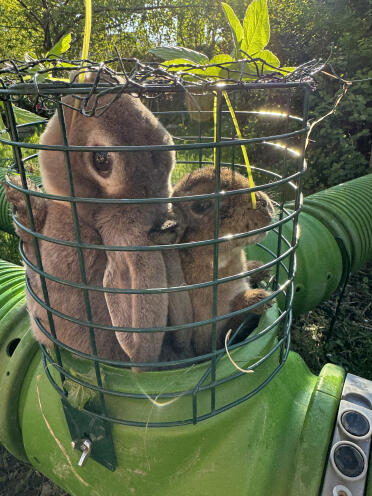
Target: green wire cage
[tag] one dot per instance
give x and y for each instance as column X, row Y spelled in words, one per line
column 92, row 388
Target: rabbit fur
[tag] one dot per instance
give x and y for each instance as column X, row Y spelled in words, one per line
column 194, row 221
column 106, row 175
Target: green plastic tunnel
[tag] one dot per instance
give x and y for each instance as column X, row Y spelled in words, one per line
column 335, row 237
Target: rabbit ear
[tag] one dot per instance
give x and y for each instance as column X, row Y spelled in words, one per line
column 134, row 270
column 180, row 307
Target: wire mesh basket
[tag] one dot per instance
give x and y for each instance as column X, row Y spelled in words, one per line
column 195, row 111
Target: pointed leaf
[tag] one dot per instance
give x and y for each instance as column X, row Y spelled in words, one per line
column 168, row 53
column 217, row 71
column 180, row 65
column 268, row 57
column 287, row 70
column 256, row 27
column 61, row 47
column 236, row 27
column 25, row 117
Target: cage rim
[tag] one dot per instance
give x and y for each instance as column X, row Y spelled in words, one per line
column 63, row 88
column 144, row 148
column 195, row 419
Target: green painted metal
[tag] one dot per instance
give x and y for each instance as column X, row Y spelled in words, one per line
column 319, row 262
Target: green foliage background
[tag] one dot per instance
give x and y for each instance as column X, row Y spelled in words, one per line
column 300, row 30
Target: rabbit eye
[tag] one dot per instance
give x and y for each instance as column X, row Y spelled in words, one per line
column 102, row 162
column 201, row 207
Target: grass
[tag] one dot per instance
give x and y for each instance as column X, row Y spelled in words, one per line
column 350, row 342
column 350, row 345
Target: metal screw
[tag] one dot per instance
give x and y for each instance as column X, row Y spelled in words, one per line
column 84, row 445
column 87, row 448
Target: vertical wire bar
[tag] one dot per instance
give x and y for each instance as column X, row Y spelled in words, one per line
column 233, row 132
column 80, row 253
column 200, row 140
column 194, row 397
column 284, row 174
column 298, row 205
column 19, row 163
column 216, row 248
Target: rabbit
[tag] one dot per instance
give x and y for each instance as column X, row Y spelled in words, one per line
column 194, row 221
column 52, row 219
column 110, row 175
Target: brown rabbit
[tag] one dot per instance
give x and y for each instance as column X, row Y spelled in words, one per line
column 194, row 221
column 106, row 174
column 54, row 219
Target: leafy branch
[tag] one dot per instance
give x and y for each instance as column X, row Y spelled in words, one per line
column 250, row 41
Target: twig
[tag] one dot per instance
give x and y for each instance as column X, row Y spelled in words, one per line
column 227, row 337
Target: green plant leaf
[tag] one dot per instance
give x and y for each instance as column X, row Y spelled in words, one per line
column 25, row 117
column 61, row 47
column 287, row 70
column 205, row 69
column 256, row 27
column 181, row 65
column 219, row 71
column 236, row 27
column 168, row 53
column 78, row 396
column 268, row 57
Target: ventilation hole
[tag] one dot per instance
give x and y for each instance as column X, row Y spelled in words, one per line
column 10, row 349
column 298, row 289
column 358, row 399
column 8, row 373
column 329, row 275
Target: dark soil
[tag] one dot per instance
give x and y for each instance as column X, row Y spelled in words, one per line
column 19, row 479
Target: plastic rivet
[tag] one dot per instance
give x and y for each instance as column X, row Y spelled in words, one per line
column 355, row 423
column 348, row 460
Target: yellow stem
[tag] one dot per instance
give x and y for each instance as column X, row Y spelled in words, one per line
column 243, row 147
column 87, row 30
